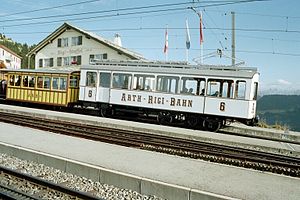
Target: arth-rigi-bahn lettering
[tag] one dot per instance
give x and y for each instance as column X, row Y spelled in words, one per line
column 131, row 97
column 177, row 102
column 156, row 100
column 181, row 102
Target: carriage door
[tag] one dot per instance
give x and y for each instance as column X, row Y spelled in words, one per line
column 90, row 92
column 104, row 87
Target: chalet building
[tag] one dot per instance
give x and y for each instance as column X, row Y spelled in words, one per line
column 69, row 45
column 9, row 59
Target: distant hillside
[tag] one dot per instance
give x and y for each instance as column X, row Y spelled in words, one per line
column 280, row 109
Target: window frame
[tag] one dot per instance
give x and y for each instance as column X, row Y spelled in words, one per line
column 122, row 83
column 91, row 82
column 165, row 84
column 105, row 84
column 244, row 90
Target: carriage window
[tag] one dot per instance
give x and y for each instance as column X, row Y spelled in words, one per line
column 213, row 88
column 55, row 83
column 25, row 81
column 220, row 88
column 31, row 81
column 73, row 81
column 28, row 81
column 240, row 90
column 11, row 80
column 255, row 91
column 91, row 78
column 227, row 89
column 104, row 79
column 189, row 85
column 47, row 82
column 40, row 82
column 62, row 83
column 143, row 82
column 122, row 81
column 18, row 80
column 167, row 84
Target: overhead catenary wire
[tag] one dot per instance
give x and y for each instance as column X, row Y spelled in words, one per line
column 211, row 4
column 49, row 8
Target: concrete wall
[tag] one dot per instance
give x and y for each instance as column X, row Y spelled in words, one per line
column 122, row 180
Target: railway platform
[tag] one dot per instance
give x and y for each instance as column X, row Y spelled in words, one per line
column 150, row 173
column 278, row 147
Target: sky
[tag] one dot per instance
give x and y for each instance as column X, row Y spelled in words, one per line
column 267, row 34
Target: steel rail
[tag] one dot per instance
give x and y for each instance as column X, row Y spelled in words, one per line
column 48, row 184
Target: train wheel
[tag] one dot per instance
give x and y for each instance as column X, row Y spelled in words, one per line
column 192, row 121
column 106, row 112
column 212, row 125
column 164, row 118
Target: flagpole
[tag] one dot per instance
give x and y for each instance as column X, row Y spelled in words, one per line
column 187, row 55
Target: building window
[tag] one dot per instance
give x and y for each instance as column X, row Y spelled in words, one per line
column 76, row 60
column 59, row 60
column 98, row 57
column 48, row 62
column 62, row 42
column 76, row 41
column 51, row 62
column 40, row 62
column 66, row 61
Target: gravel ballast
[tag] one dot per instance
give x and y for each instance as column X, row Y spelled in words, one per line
column 83, row 184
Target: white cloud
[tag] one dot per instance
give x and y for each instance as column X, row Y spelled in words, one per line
column 284, row 82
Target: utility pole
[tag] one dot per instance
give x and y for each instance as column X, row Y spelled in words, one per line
column 233, row 39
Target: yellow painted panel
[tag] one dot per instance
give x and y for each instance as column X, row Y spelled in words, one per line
column 47, row 96
column 17, row 91
column 25, row 95
column 8, row 93
column 56, row 96
column 39, row 96
column 64, row 98
column 43, row 96
column 60, row 98
column 14, row 94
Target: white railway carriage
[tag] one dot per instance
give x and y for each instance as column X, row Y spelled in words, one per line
column 205, row 96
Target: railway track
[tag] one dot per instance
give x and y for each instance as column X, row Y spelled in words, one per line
column 42, row 189
column 194, row 149
column 149, row 120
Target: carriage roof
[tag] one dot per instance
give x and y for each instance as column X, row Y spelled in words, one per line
column 174, row 68
column 49, row 70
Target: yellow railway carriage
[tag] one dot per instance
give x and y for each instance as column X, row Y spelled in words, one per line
column 51, row 86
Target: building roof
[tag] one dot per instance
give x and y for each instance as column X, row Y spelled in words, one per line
column 10, row 51
column 66, row 26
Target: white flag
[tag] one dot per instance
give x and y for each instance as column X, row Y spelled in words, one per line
column 166, row 41
column 188, row 38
